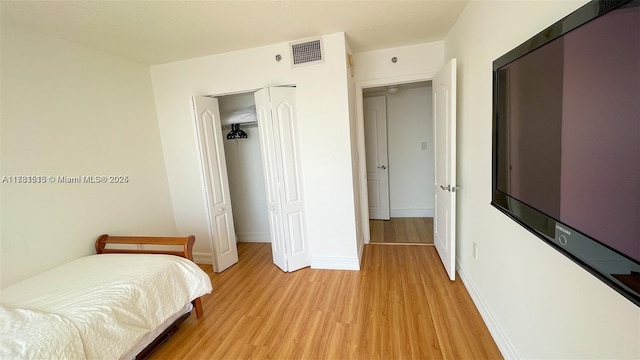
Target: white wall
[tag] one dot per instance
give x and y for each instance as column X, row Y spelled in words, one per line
column 411, row 169
column 323, row 109
column 425, row 58
column 71, row 111
column 246, row 175
column 538, row 303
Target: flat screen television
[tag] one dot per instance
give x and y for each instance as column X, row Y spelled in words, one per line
column 566, row 139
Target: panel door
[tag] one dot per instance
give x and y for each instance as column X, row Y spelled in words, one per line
column 278, row 138
column 218, row 198
column 444, row 120
column 270, row 165
column 289, row 172
column 375, row 127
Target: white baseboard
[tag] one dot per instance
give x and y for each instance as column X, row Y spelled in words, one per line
column 331, row 263
column 499, row 336
column 328, row 263
column 258, row 237
column 411, row 212
column 202, row 258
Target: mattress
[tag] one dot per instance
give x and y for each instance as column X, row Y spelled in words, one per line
column 101, row 306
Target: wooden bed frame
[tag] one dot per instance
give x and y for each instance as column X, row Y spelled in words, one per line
column 186, row 243
column 187, row 252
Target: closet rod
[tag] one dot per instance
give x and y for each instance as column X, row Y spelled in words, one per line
column 253, row 124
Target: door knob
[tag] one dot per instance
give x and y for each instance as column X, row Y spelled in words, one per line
column 382, row 167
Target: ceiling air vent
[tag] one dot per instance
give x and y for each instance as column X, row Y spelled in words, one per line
column 306, row 52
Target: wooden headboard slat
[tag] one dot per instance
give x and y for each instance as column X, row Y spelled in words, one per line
column 186, row 243
column 135, row 251
column 147, row 240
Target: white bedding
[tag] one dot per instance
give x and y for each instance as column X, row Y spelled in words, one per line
column 108, row 301
column 151, row 336
column 27, row 334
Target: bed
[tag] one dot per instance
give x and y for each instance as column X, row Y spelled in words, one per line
column 118, row 304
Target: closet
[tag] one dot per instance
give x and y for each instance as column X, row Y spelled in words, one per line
column 244, row 167
column 251, row 167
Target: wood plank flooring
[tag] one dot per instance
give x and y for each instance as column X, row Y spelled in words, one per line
column 399, row 306
column 401, row 231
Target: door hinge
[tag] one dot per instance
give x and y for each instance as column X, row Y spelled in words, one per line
column 449, row 188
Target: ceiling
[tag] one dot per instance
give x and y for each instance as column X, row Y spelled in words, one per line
column 155, row 32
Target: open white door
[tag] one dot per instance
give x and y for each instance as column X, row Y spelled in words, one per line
column 444, row 120
column 221, row 229
column 278, row 137
column 270, row 166
column 375, row 128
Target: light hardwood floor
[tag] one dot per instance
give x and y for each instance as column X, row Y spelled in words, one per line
column 401, row 231
column 399, row 306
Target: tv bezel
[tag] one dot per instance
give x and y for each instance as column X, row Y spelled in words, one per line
column 501, row 200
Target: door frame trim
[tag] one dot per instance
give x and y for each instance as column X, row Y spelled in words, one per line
column 362, row 165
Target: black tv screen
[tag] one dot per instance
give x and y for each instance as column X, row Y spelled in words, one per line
column 566, row 139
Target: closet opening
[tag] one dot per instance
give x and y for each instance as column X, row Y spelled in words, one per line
column 399, row 152
column 251, row 168
column 244, row 167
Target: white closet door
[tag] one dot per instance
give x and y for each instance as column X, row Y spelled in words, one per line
column 278, row 136
column 210, row 137
column 292, row 205
column 270, row 166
